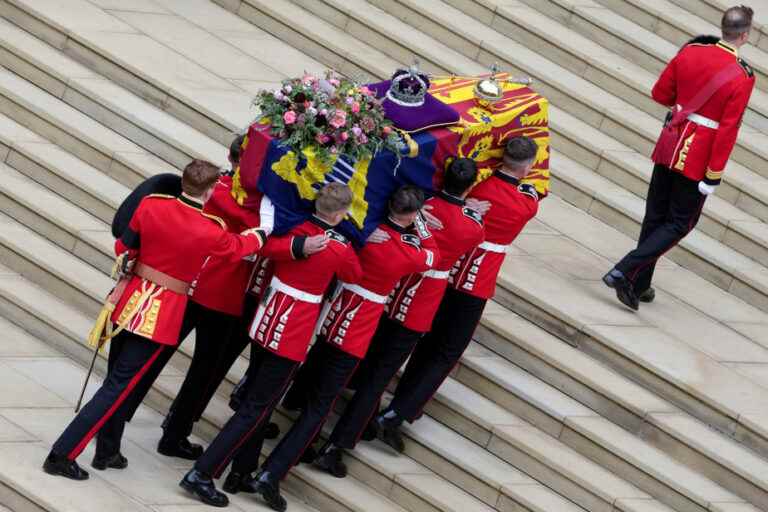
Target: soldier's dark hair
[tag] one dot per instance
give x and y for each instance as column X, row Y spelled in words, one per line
column 235, row 148
column 460, row 175
column 736, row 21
column 333, row 198
column 519, row 151
column 406, row 199
column 198, row 176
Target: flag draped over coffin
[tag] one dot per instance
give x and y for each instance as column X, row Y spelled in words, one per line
column 291, row 181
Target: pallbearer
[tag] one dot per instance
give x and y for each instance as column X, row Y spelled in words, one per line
column 345, row 329
column 281, row 330
column 457, row 229
column 507, row 205
column 707, row 87
column 169, row 238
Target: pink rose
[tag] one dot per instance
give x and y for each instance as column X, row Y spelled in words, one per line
column 339, row 119
column 386, row 130
column 289, row 117
column 334, row 82
column 322, row 138
column 344, row 136
column 355, row 107
column 357, row 131
column 366, row 91
column 308, row 79
column 307, row 104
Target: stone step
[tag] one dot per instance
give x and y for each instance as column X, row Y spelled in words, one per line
column 56, row 219
column 211, row 89
column 91, row 141
column 678, row 25
column 654, row 471
column 624, row 402
column 602, row 28
column 624, row 166
column 717, row 262
column 451, row 31
column 559, row 467
column 557, row 285
column 712, row 11
column 60, row 171
column 150, row 127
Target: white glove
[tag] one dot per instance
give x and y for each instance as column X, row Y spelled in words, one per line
column 706, row 189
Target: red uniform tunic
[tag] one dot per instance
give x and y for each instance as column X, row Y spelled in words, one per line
column 175, row 237
column 415, row 300
column 512, row 206
column 222, row 283
column 351, row 316
column 702, row 152
column 288, row 312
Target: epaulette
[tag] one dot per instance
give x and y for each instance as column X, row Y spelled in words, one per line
column 413, row 240
column 162, row 196
column 338, row 237
column 219, row 220
column 703, row 40
column 746, row 67
column 473, row 214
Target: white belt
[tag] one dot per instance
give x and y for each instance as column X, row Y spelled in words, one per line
column 279, row 286
column 703, row 121
column 492, row 247
column 437, row 274
column 366, row 294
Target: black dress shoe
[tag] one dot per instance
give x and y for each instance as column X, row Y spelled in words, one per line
column 271, row 431
column 239, row 482
column 181, row 448
column 60, row 465
column 116, row 461
column 268, row 487
column 201, row 485
column 330, row 461
column 647, row 296
column 309, row 455
column 624, row 292
column 388, row 431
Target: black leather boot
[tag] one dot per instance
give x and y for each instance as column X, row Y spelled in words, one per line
column 268, row 487
column 330, row 460
column 61, row 466
column 647, row 296
column 116, row 461
column 202, row 486
column 624, row 291
column 239, row 482
column 388, row 431
column 181, row 448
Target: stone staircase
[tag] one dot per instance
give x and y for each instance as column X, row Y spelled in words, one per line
column 565, row 402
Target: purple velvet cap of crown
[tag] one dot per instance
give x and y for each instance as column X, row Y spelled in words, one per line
column 414, row 118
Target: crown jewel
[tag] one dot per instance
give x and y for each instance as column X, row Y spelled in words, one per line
column 409, row 87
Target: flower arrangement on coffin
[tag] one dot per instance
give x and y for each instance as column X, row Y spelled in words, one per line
column 329, row 116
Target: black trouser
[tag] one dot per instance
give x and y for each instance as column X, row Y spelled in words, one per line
column 132, row 359
column 390, row 347
column 328, row 370
column 437, row 352
column 269, row 374
column 220, row 339
column 672, row 209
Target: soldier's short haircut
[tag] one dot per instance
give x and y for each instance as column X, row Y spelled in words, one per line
column 460, row 175
column 736, row 21
column 406, row 199
column 235, row 148
column 198, row 176
column 333, row 198
column 519, row 151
